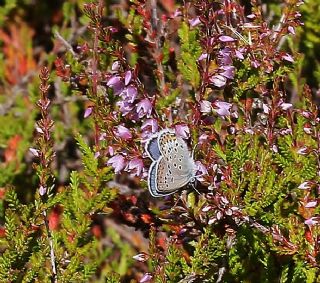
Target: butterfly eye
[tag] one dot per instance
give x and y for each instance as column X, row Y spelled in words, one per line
column 180, row 167
column 175, row 165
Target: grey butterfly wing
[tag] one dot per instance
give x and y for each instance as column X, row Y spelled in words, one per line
column 166, row 182
column 172, row 168
column 175, row 168
column 152, row 148
column 183, row 167
column 156, row 180
column 175, row 150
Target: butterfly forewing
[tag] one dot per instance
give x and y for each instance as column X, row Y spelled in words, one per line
column 152, row 148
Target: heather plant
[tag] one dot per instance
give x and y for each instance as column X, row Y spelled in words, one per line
column 217, row 74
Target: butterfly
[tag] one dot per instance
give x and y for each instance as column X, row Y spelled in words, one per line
column 172, row 164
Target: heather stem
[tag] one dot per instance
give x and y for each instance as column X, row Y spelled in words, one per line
column 95, row 63
column 46, row 155
column 155, row 27
column 52, row 255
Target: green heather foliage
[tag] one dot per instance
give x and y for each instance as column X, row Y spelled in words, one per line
column 86, row 83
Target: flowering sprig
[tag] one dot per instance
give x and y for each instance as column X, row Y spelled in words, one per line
column 45, row 154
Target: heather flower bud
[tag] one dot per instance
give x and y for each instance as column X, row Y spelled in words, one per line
column 205, row 107
column 123, row 133
column 142, row 257
column 117, row 162
column 182, row 131
column 144, row 108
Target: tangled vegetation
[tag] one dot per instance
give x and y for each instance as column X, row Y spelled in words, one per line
column 85, row 84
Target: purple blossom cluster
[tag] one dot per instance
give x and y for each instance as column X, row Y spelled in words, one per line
column 237, row 102
column 221, row 50
column 128, row 103
column 136, row 108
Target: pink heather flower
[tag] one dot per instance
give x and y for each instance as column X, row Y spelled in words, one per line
column 219, row 215
column 194, row 22
column 135, row 165
column 110, row 150
column 144, row 107
column 123, row 133
column 177, row 13
column 311, row 204
column 285, row 131
column 224, row 57
column 127, row 77
column 117, row 162
column 312, row 221
column 201, row 170
column 291, row 30
column 265, row 108
column 203, row 56
column 97, row 154
column 205, row 106
column 249, row 131
column 102, row 136
column 288, row 58
column 113, row 29
column 251, row 16
column 218, row 80
column 150, row 124
column 124, row 107
column 285, row 106
column 113, row 81
column 146, row 278
column 116, row 84
column 129, row 94
column 303, row 151
column 306, row 114
column 255, row 64
column 307, row 130
column 88, row 112
column 39, row 130
column 239, row 55
column 207, row 208
column 226, row 38
column 182, row 131
column 222, row 108
column 228, row 72
column 203, row 138
column 305, row 185
column 115, row 66
column 42, row 191
column 34, row 151
column 142, row 257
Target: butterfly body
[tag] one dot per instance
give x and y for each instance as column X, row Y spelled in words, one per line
column 172, row 167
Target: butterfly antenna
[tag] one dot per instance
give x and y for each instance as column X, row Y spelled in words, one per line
column 194, row 187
